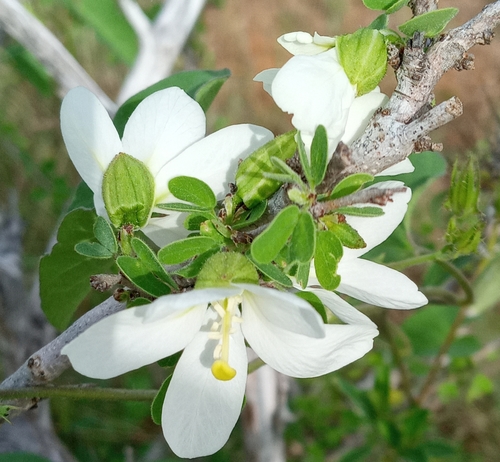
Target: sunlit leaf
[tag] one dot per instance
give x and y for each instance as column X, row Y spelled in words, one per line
column 184, row 249
column 193, row 190
column 431, row 23
column 326, row 258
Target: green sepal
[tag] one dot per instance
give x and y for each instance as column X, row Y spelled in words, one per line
column 272, row 272
column 184, row 249
column 157, row 404
column 193, row 190
column 431, row 23
column 64, row 274
column 361, row 211
column 222, row 269
column 202, row 86
column 349, row 185
column 105, row 234
column 315, row 302
column 267, row 245
column 145, row 271
column 363, row 55
column 326, row 259
column 128, row 191
column 244, row 217
column 253, row 186
column 303, row 239
column 92, row 250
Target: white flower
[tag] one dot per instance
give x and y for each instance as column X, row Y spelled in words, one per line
column 368, row 281
column 303, row 43
column 165, row 132
column 211, row 325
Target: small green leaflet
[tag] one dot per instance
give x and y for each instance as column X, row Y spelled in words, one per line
column 431, row 23
column 202, row 86
column 192, row 270
column 253, row 186
column 380, row 22
column 349, row 237
column 389, row 6
column 92, row 250
column 187, row 208
column 145, row 271
column 361, row 211
column 303, row 239
column 157, row 404
column 315, row 302
column 189, row 189
column 107, row 245
column 319, row 156
column 184, row 249
column 267, row 245
column 326, row 258
column 302, row 274
column 349, row 185
column 272, row 272
column 244, row 218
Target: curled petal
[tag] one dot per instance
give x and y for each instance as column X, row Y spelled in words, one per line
column 404, row 166
column 89, row 134
column 302, row 43
column 316, row 90
column 378, row 285
column 199, row 411
column 163, row 125
column 261, row 305
column 266, row 77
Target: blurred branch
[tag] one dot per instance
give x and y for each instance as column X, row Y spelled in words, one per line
column 44, row 45
column 402, row 127
column 160, row 41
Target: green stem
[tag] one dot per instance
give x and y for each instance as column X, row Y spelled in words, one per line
column 418, row 260
column 255, row 364
column 85, row 391
column 461, row 279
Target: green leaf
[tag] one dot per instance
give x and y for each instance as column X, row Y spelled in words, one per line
column 431, row 23
column 481, row 385
column 272, row 272
column 251, row 216
column 304, row 159
column 107, row 19
column 439, row 449
column 190, row 189
column 349, row 185
column 104, row 233
column 349, row 237
column 486, row 293
column 464, row 346
column 253, row 186
column 303, row 239
column 360, row 399
column 157, row 404
column 202, row 86
column 302, row 274
column 379, row 4
column 315, row 302
column 193, row 222
column 380, row 22
column 22, row 457
column 397, row 5
column 145, row 271
column 92, row 250
column 64, row 274
column 187, row 208
column 288, row 176
column 184, row 249
column 267, row 245
column 193, row 269
column 83, row 198
column 319, row 156
column 326, row 259
column 361, row 211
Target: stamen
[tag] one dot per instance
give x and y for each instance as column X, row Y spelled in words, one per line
column 220, row 367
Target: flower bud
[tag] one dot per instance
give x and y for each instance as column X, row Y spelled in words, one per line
column 128, row 190
column 363, row 55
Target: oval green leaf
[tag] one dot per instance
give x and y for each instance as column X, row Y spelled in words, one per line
column 350, row 184
column 193, row 190
column 326, row 258
column 184, row 249
column 105, row 235
column 303, row 239
column 431, row 23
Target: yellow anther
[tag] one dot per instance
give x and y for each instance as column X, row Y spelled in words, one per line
column 222, row 370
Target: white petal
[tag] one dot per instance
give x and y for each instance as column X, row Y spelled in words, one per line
column 163, row 231
column 285, row 310
column 343, row 310
column 89, row 134
column 199, row 411
column 215, row 158
column 360, row 113
column 317, row 91
column 300, row 356
column 404, row 166
column 302, row 43
column 163, row 125
column 376, row 230
column 267, row 77
column 142, row 335
column 378, row 285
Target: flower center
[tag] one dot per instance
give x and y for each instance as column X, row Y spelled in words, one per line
column 221, row 330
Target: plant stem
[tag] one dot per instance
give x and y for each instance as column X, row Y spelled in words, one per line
column 84, row 391
column 418, row 260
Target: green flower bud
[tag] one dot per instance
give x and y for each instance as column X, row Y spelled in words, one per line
column 128, row 190
column 363, row 55
column 222, row 269
column 464, row 189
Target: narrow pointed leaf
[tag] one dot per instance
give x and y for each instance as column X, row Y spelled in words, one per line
column 187, row 208
column 251, row 216
column 319, row 156
column 302, row 275
column 272, row 272
column 267, row 245
column 350, row 184
column 192, row 270
column 304, row 159
column 192, row 190
column 361, row 211
column 157, row 404
column 380, row 22
column 315, row 302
